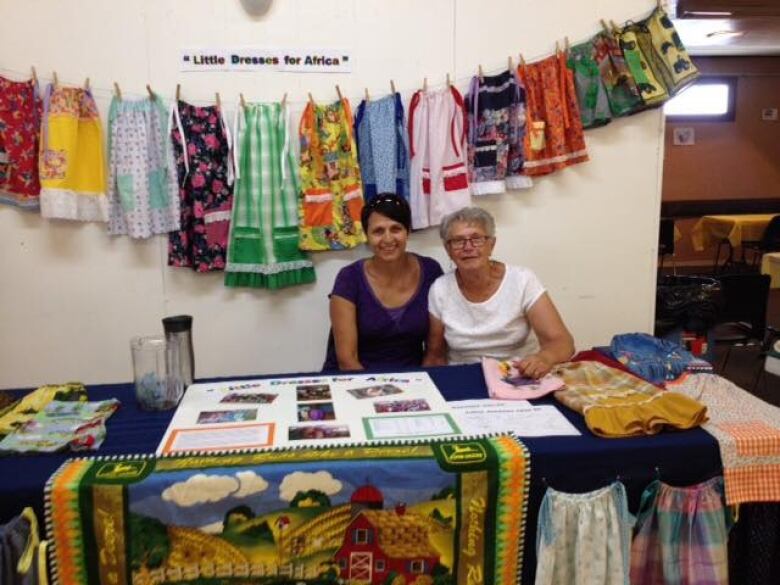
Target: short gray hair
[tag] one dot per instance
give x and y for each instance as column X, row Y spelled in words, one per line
column 468, row 215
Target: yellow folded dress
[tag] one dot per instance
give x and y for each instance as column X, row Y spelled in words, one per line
column 25, row 409
column 618, row 404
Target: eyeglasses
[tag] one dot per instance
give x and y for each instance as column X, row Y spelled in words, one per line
column 475, row 241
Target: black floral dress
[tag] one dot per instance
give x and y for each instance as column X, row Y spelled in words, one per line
column 203, row 162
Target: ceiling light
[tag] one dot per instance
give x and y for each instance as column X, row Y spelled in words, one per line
column 256, row 7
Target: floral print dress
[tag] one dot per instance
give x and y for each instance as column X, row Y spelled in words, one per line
column 332, row 192
column 203, row 162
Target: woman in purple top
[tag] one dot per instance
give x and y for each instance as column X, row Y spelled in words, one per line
column 379, row 305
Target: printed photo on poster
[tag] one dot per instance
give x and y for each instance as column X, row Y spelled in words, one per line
column 313, row 392
column 248, row 398
column 375, row 391
column 210, row 417
column 415, row 405
column 307, row 432
column 316, row 411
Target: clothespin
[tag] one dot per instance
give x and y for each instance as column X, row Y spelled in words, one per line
column 481, row 75
column 367, row 98
column 522, row 61
column 178, row 91
column 243, row 102
column 338, row 91
column 54, row 78
column 117, row 91
column 605, row 27
column 509, row 64
column 150, row 92
column 219, row 101
column 392, row 86
column 449, row 84
column 425, row 84
column 615, row 28
column 311, row 99
column 557, row 48
column 34, row 75
column 86, row 84
column 566, row 44
column 284, row 99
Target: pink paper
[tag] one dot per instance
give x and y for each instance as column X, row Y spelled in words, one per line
column 498, row 372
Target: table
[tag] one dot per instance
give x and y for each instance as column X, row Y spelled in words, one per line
column 731, row 230
column 770, row 264
column 575, row 464
column 712, row 229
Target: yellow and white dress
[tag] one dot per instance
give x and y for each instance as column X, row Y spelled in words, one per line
column 72, row 167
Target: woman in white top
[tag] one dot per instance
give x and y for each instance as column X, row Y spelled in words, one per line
column 488, row 308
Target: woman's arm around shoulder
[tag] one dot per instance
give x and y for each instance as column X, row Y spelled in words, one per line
column 435, row 346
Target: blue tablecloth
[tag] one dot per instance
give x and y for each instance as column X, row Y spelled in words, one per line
column 575, row 464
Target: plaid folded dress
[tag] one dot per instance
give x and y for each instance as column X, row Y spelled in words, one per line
column 617, row 404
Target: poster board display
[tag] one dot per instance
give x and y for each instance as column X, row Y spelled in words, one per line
column 321, row 410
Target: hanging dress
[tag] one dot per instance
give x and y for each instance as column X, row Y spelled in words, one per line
column 496, row 111
column 20, row 129
column 591, row 94
column 439, row 181
column 668, row 53
column 583, row 538
column 554, row 137
column 332, row 193
column 142, row 187
column 72, row 165
column 202, row 148
column 381, row 144
column 263, row 250
column 635, row 41
column 624, row 96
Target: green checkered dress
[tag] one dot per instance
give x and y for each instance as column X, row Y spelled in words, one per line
column 263, row 250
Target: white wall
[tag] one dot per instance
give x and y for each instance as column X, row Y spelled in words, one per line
column 71, row 297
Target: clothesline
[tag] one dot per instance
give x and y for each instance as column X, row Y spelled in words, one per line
column 461, row 82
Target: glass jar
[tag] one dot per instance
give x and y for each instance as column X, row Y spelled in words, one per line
column 155, row 388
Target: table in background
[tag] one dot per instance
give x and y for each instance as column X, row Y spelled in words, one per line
column 770, row 264
column 574, row 464
column 711, row 229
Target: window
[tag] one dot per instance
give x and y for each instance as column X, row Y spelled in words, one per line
column 379, row 566
column 361, row 536
column 710, row 99
column 417, row 566
column 343, row 563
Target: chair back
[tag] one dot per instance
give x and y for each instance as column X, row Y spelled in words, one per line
column 666, row 237
column 770, row 241
column 746, row 296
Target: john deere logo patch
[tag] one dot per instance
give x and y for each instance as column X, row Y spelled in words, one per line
column 464, row 453
column 121, row 470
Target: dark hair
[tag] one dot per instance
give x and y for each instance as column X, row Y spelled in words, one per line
column 390, row 205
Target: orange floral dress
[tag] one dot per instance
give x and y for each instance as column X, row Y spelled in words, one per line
column 554, row 136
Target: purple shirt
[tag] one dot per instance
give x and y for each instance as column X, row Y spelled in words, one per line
column 386, row 337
